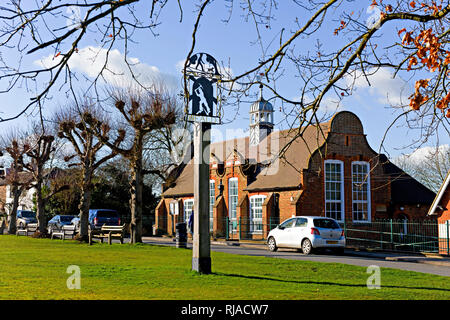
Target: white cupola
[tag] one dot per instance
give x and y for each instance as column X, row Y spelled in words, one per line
column 261, row 119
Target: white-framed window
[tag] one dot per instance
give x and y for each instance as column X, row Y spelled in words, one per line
column 188, row 205
column 256, row 203
column 232, row 200
column 334, row 189
column 361, row 191
column 212, row 199
column 174, row 208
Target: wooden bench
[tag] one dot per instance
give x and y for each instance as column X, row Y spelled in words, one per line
column 107, row 232
column 30, row 228
column 65, row 230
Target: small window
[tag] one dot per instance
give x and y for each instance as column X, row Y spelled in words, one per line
column 256, row 213
column 107, row 214
column 301, row 222
column 326, row 224
column 288, row 224
column 188, row 207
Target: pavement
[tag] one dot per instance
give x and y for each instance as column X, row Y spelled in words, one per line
column 433, row 259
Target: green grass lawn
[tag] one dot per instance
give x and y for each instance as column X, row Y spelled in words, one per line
column 36, row 269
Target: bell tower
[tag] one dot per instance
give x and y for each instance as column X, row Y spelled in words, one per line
column 261, row 119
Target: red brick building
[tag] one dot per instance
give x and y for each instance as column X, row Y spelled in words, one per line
column 329, row 171
column 441, row 209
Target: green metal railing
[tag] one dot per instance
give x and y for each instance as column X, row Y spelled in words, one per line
column 400, row 235
column 246, row 229
column 444, row 238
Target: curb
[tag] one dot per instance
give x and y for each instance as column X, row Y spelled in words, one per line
column 438, row 261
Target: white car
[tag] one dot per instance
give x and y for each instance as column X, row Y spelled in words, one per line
column 307, row 234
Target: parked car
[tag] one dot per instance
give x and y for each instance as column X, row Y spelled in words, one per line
column 76, row 222
column 307, row 234
column 98, row 218
column 58, row 221
column 24, row 217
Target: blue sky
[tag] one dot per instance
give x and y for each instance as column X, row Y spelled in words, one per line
column 231, row 43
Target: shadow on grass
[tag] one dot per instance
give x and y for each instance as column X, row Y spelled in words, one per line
column 324, row 282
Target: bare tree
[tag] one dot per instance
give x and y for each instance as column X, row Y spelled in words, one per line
column 16, row 146
column 166, row 148
column 430, row 167
column 143, row 112
column 87, row 149
column 40, row 155
column 409, row 38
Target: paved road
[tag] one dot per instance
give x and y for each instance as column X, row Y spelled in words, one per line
column 363, row 261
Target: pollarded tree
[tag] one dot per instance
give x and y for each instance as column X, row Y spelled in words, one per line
column 87, row 148
column 43, row 147
column 143, row 112
column 15, row 145
column 409, row 38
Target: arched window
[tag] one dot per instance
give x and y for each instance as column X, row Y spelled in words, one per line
column 361, row 191
column 334, row 189
column 232, row 201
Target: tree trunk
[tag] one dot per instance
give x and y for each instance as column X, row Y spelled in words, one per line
column 40, row 214
column 136, row 193
column 16, row 191
column 84, row 205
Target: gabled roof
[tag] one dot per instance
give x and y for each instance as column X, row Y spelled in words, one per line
column 404, row 188
column 285, row 172
column 439, row 195
column 275, row 172
column 23, row 177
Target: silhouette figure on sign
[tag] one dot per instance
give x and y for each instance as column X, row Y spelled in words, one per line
column 202, row 97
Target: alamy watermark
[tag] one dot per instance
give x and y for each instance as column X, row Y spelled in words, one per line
column 374, row 280
column 232, row 141
column 74, row 280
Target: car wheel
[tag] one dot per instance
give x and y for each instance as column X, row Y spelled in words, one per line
column 307, row 247
column 338, row 251
column 272, row 245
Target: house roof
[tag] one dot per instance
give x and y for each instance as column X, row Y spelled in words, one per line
column 440, row 194
column 23, row 177
column 274, row 173
column 285, row 171
column 404, row 188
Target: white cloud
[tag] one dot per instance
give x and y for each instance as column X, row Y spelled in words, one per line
column 422, row 154
column 91, row 60
column 385, row 88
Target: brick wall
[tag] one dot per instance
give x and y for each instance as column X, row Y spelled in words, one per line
column 347, row 143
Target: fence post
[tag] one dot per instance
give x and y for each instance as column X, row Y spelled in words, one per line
column 392, row 235
column 345, row 228
column 448, row 237
column 226, row 228
column 239, row 226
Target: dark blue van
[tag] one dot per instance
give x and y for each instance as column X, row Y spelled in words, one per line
column 100, row 217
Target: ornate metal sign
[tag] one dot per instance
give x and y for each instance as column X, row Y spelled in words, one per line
column 203, row 98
